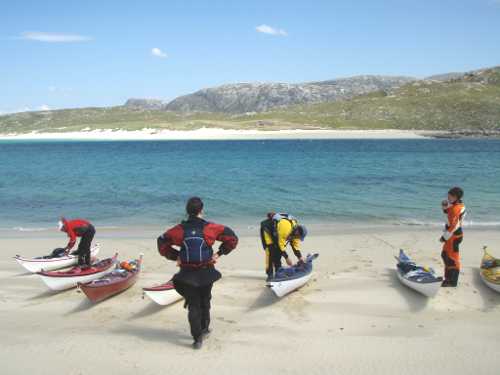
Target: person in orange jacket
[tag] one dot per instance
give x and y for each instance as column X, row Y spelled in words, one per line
column 454, row 209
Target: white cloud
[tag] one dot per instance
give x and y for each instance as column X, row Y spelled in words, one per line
column 40, row 36
column 158, row 53
column 43, row 107
column 266, row 29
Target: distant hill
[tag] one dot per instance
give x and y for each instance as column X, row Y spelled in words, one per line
column 259, row 97
column 470, row 103
column 145, row 103
column 467, row 104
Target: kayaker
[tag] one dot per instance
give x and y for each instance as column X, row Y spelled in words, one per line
column 276, row 232
column 454, row 209
column 190, row 245
column 78, row 228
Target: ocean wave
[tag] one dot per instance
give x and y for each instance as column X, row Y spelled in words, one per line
column 466, row 224
column 25, row 229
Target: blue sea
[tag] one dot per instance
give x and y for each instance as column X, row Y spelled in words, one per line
column 146, row 183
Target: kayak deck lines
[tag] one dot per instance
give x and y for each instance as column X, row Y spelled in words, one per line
column 113, row 282
column 289, row 279
column 421, row 279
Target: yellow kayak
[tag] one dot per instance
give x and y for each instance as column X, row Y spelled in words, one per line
column 490, row 271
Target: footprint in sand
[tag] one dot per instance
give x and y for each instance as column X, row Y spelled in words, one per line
column 226, row 320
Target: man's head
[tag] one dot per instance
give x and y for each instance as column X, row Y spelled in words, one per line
column 300, row 232
column 194, row 207
column 455, row 194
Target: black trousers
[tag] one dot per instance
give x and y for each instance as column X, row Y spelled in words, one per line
column 273, row 260
column 84, row 247
column 452, row 261
column 198, row 304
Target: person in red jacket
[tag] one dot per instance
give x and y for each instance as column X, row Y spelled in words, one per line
column 190, row 245
column 78, row 228
column 452, row 237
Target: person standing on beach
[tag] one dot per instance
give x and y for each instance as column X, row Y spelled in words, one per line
column 454, row 209
column 276, row 232
column 78, row 228
column 194, row 239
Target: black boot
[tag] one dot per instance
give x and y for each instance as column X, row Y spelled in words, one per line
column 198, row 343
column 205, row 333
column 454, row 277
column 446, row 284
column 446, row 280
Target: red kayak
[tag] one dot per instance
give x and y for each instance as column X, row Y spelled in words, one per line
column 60, row 280
column 120, row 279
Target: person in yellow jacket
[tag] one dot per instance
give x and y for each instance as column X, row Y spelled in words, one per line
column 276, row 232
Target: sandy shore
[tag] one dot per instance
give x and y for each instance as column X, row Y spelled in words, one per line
column 215, row 134
column 353, row 318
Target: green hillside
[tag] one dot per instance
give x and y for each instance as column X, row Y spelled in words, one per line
column 470, row 102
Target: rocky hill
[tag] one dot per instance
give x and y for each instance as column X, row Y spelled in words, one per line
column 154, row 104
column 260, row 97
column 464, row 105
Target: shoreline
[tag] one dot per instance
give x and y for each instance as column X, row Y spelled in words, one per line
column 146, row 231
column 220, row 134
column 217, row 134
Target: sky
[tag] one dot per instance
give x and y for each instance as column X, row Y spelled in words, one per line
column 65, row 54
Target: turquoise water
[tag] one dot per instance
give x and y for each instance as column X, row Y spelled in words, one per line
column 341, row 181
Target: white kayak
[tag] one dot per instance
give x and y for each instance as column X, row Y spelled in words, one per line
column 289, row 279
column 490, row 271
column 61, row 280
column 421, row 279
column 164, row 294
column 52, row 263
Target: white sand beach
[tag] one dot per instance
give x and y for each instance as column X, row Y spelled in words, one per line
column 215, row 134
column 354, row 317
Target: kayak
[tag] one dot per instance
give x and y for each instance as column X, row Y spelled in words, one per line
column 490, row 271
column 50, row 263
column 421, row 279
column 164, row 294
column 292, row 278
column 61, row 280
column 114, row 282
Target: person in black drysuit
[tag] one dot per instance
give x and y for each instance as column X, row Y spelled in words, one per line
column 194, row 239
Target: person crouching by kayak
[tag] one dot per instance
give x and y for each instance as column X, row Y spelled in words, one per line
column 196, row 258
column 79, row 228
column 454, row 209
column 276, row 232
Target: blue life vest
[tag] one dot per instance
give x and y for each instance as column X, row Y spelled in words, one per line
column 194, row 248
